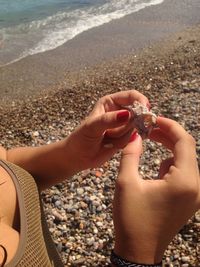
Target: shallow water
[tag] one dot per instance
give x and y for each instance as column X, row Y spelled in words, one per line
column 29, row 27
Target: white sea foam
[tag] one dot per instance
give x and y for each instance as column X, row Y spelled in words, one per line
column 55, row 30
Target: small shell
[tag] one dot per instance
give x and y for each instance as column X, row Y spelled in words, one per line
column 143, row 120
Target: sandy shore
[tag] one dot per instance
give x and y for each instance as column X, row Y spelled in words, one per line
column 128, row 35
column 79, row 211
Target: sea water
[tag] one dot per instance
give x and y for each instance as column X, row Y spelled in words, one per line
column 29, row 27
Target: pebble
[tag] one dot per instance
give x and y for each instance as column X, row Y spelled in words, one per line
column 80, row 191
column 176, row 256
column 58, row 203
column 36, row 134
column 157, row 162
column 95, row 230
column 99, row 224
column 59, row 247
column 79, row 261
column 58, row 216
column 90, row 241
column 185, row 259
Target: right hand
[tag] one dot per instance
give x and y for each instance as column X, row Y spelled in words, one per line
column 87, row 145
column 149, row 213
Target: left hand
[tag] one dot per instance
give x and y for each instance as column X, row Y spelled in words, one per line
column 103, row 132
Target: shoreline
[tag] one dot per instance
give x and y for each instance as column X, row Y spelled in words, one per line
column 36, row 74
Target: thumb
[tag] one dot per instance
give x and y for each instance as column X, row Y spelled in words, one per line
column 130, row 159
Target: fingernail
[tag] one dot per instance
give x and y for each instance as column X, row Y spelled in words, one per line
column 123, row 116
column 133, row 137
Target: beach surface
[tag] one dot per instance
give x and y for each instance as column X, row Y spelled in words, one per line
column 31, row 75
column 166, row 70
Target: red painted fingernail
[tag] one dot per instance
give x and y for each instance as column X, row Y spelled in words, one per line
column 123, row 116
column 133, row 137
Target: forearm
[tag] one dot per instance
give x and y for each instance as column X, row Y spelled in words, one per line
column 49, row 164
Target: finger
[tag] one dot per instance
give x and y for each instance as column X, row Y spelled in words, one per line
column 96, row 126
column 183, row 144
column 128, row 97
column 120, row 142
column 119, row 131
column 164, row 167
column 130, row 161
column 159, row 136
column 185, row 153
column 173, row 130
column 117, row 100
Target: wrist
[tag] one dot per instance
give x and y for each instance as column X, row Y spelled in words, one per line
column 72, row 162
column 118, row 261
column 144, row 254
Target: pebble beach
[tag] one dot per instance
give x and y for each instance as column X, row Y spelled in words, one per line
column 79, row 211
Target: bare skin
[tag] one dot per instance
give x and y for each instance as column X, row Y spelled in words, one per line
column 9, row 214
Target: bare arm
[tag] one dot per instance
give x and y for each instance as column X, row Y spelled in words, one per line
column 85, row 147
column 49, row 164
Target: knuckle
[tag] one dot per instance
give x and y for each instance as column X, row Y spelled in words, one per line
column 87, row 124
column 173, row 127
column 191, row 140
column 139, row 95
column 186, row 189
column 133, row 91
column 189, row 192
column 192, row 191
column 145, row 98
column 122, row 183
column 103, row 119
column 102, row 99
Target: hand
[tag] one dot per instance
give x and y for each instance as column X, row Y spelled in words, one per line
column 149, row 213
column 105, row 130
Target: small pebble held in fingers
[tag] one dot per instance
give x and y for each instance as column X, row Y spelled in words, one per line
column 143, row 120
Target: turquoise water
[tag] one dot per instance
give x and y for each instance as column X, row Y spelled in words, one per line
column 28, row 27
column 25, row 11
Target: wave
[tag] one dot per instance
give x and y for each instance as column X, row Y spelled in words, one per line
column 53, row 31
